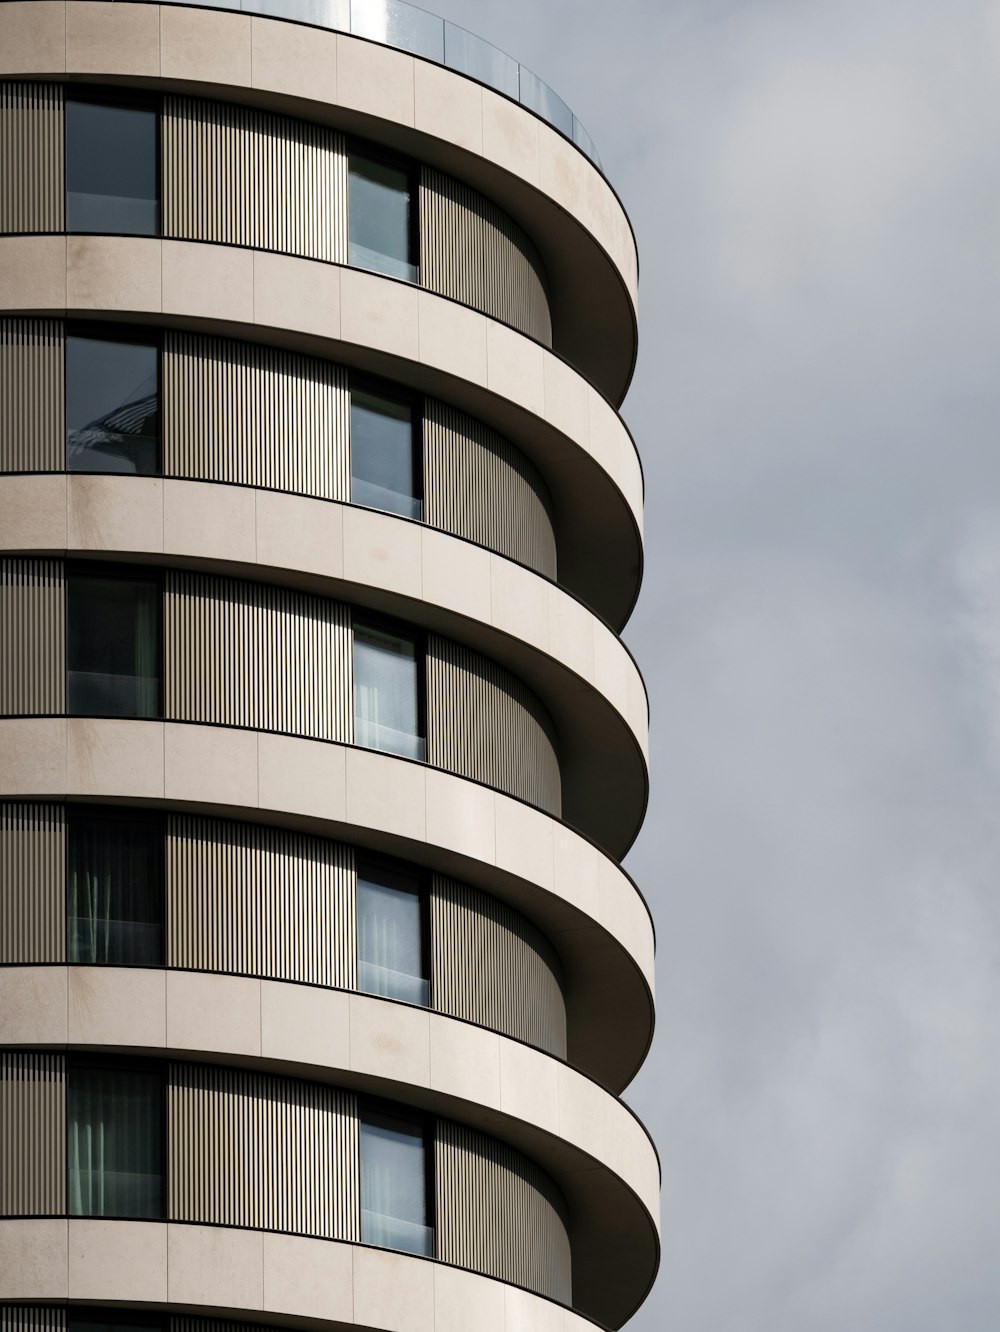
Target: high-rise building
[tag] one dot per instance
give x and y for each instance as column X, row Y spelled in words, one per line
column 320, row 978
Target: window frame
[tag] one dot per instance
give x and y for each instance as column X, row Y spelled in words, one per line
column 141, row 335
column 372, row 1109
column 76, row 1061
column 387, row 624
column 420, row 890
column 134, row 99
column 375, row 152
column 155, row 820
column 386, row 388
column 124, row 573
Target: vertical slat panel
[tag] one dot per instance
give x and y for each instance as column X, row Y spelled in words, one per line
column 255, row 416
column 482, row 722
column 32, row 883
column 473, row 252
column 240, row 176
column 499, row 1214
column 268, row 658
column 477, row 485
column 260, row 901
column 490, row 965
column 32, row 395
column 272, row 1153
column 32, row 153
column 32, row 1134
column 32, row 638
column 32, row 1318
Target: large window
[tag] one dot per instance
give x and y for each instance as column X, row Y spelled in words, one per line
column 112, row 166
column 385, row 471
column 112, row 645
column 112, row 404
column 114, row 889
column 391, row 934
column 115, row 1145
column 388, row 689
column 395, row 1183
column 381, row 218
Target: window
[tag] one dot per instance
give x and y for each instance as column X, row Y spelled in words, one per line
column 391, row 953
column 112, row 405
column 114, row 889
column 384, row 461
column 395, row 1192
column 115, row 1146
column 380, row 216
column 111, row 1320
column 113, row 645
column 112, row 166
column 387, row 691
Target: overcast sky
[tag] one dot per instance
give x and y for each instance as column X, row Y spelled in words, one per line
column 815, row 185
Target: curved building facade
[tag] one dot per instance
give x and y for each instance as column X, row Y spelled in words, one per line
column 320, row 977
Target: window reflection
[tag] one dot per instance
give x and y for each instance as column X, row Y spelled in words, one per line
column 111, row 168
column 380, row 217
column 390, row 935
column 384, row 472
column 112, row 405
column 387, row 712
column 114, row 889
column 113, row 646
column 395, row 1212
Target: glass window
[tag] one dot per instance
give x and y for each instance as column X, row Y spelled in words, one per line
column 384, row 473
column 112, row 168
column 380, row 217
column 390, row 935
column 395, row 1212
column 114, row 889
column 111, row 1321
column 113, row 646
column 114, row 1141
column 112, row 405
column 387, row 712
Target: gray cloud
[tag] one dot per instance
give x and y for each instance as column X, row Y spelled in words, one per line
column 816, row 193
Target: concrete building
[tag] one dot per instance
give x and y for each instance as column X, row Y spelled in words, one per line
column 320, row 978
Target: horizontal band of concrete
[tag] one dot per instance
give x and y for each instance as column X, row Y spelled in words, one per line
column 579, row 669
column 256, row 1277
column 586, row 1140
column 577, row 441
column 436, row 115
column 580, row 898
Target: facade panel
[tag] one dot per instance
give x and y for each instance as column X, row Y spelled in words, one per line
column 32, row 395
column 271, row 1153
column 478, row 486
column 32, row 1318
column 32, row 883
column 260, row 901
column 239, row 176
column 484, row 723
column 473, row 252
column 32, row 638
column 32, row 1134
column 32, row 154
column 491, row 966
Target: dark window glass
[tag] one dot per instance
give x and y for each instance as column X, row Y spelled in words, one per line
column 112, row 405
column 390, row 935
column 112, row 1322
column 387, row 713
column 113, row 646
column 380, row 217
column 395, row 1211
column 383, row 453
column 114, row 1141
column 114, row 890
column 111, row 168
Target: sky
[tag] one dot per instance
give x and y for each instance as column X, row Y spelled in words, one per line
column 815, row 187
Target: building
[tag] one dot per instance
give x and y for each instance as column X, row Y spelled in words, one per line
column 320, row 978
